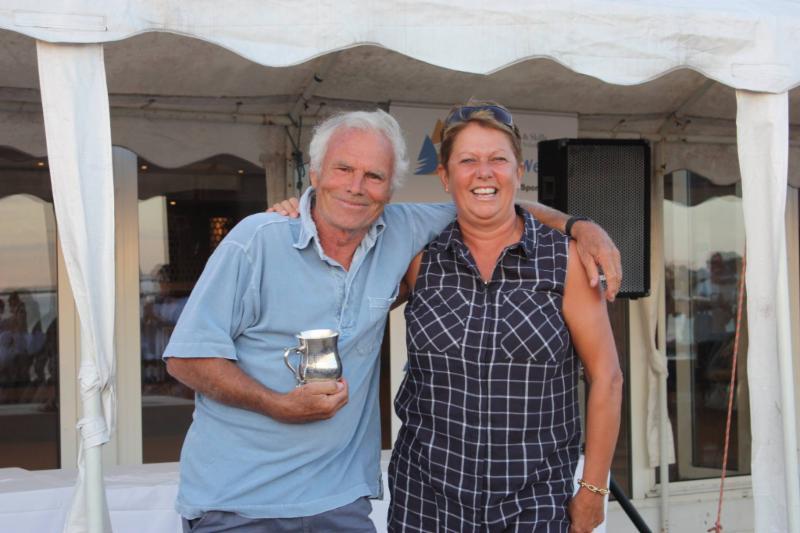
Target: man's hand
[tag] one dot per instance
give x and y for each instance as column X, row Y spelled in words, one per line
column 288, row 208
column 585, row 511
column 595, row 248
column 310, row 402
column 223, row 381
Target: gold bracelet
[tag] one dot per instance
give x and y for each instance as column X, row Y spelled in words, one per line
column 592, row 488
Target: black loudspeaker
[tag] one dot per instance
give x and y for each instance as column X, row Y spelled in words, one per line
column 609, row 182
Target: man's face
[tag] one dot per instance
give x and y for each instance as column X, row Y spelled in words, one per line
column 354, row 181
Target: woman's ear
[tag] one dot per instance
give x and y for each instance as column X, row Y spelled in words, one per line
column 443, row 177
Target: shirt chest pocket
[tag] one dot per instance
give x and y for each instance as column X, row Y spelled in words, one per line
column 436, row 320
column 376, row 313
column 531, row 326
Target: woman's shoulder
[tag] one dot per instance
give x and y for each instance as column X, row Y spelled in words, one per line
column 539, row 235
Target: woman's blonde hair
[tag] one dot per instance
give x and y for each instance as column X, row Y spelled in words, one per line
column 488, row 114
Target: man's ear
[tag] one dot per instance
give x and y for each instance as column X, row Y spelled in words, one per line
column 313, row 177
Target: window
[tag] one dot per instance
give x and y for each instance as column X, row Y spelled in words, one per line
column 703, row 248
column 29, row 395
column 184, row 213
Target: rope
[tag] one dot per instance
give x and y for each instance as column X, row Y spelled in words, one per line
column 717, row 528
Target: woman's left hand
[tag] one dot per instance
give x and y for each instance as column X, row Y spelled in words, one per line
column 288, row 208
column 586, row 511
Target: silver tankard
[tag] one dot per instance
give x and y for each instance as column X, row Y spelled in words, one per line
column 319, row 356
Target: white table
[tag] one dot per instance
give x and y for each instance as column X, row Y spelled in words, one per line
column 140, row 499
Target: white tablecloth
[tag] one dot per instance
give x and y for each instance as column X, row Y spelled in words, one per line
column 140, row 498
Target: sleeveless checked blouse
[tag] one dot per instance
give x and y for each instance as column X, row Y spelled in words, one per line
column 489, row 404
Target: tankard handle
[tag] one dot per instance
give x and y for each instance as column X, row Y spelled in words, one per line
column 295, row 371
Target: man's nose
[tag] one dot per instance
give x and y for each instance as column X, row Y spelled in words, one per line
column 356, row 182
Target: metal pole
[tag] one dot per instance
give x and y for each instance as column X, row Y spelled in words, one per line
column 95, row 493
column 663, row 411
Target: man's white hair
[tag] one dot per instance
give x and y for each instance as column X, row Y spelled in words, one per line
column 378, row 121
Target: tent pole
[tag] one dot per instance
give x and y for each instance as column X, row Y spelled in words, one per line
column 787, row 395
column 762, row 130
column 663, row 456
column 95, row 494
column 663, row 409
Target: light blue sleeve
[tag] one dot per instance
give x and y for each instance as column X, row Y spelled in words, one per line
column 426, row 221
column 222, row 304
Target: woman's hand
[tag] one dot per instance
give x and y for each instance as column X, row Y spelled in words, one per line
column 586, row 511
column 288, row 208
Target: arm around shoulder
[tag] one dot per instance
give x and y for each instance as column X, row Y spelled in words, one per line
column 595, row 247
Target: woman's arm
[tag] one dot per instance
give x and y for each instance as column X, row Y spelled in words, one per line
column 408, row 281
column 587, row 319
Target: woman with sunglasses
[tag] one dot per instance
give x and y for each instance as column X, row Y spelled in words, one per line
column 500, row 319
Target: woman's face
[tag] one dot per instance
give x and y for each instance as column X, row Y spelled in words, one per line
column 482, row 174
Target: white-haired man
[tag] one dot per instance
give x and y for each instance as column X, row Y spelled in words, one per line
column 262, row 454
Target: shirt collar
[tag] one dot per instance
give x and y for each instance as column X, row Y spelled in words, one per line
column 308, row 229
column 451, row 236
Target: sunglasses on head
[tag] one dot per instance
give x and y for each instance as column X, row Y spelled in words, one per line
column 464, row 113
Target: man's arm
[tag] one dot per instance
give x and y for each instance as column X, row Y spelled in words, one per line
column 223, row 381
column 595, row 247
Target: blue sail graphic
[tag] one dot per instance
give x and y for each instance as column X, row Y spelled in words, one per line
column 427, row 159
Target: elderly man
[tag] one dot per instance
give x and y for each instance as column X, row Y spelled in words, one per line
column 262, row 454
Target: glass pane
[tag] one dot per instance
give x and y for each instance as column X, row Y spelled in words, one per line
column 703, row 248
column 29, row 401
column 183, row 215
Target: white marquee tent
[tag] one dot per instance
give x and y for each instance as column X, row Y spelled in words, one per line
column 691, row 76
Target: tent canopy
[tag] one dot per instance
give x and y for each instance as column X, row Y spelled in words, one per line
column 740, row 43
column 176, row 77
column 538, row 55
column 713, row 72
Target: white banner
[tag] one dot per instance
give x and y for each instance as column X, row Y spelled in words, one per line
column 422, row 127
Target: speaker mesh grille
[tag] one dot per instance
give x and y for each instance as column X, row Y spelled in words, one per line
column 607, row 182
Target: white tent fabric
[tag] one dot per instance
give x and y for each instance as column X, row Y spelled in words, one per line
column 747, row 45
column 740, row 43
column 647, row 310
column 77, row 127
column 763, row 157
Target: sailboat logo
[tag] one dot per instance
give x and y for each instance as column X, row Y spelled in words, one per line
column 428, row 158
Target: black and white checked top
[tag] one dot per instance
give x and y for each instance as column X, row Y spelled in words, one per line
column 490, row 431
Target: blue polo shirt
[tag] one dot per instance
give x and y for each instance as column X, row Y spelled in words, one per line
column 268, row 280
